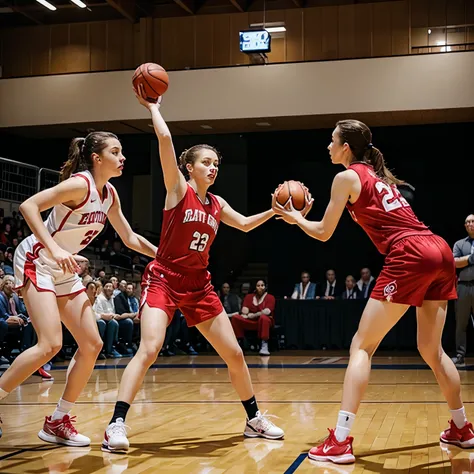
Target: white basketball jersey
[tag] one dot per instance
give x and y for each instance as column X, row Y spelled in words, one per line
column 74, row 229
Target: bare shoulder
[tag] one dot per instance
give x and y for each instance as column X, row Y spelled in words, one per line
column 348, row 176
column 222, row 201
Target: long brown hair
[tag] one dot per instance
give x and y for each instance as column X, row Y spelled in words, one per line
column 190, row 156
column 359, row 138
column 81, row 150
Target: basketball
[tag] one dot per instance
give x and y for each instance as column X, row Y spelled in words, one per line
column 298, row 193
column 154, row 79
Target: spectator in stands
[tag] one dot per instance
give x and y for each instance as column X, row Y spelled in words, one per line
column 118, row 258
column 104, row 308
column 2, row 273
column 330, row 289
column 99, row 287
column 13, row 312
column 134, row 304
column 91, row 290
column 366, row 283
column 8, row 261
column 305, row 290
column 115, row 284
column 231, row 302
column 351, row 292
column 257, row 315
column 5, row 235
column 100, row 273
column 125, row 318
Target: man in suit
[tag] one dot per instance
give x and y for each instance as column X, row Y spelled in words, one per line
column 463, row 253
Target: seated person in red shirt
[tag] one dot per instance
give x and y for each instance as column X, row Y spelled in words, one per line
column 257, row 315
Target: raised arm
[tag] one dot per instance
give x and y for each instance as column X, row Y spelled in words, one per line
column 175, row 182
column 70, row 192
column 343, row 186
column 129, row 238
column 234, row 219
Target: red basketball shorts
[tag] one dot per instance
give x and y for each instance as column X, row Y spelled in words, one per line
column 191, row 292
column 417, row 268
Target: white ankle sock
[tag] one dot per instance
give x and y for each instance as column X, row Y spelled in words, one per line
column 63, row 408
column 345, row 420
column 459, row 417
column 3, row 394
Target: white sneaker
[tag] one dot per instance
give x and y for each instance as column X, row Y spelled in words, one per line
column 115, row 437
column 262, row 427
column 264, row 350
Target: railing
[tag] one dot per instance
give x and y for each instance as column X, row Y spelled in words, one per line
column 19, row 181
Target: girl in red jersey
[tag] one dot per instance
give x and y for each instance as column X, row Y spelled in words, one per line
column 46, row 270
column 178, row 278
column 419, row 271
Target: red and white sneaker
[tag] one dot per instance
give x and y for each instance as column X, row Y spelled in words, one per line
column 43, row 374
column 463, row 438
column 62, row 432
column 338, row 452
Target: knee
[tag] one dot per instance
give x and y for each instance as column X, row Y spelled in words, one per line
column 150, row 351
column 50, row 348
column 127, row 324
column 264, row 320
column 234, row 357
column 113, row 323
column 431, row 353
column 360, row 343
column 91, row 346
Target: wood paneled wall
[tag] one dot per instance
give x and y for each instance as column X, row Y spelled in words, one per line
column 320, row 33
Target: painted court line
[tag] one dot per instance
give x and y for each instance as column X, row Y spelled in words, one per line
column 296, row 463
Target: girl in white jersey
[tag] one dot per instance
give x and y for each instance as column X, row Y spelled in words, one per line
column 46, row 270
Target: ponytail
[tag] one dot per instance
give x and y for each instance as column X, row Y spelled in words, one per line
column 80, row 153
column 359, row 138
column 74, row 159
column 375, row 158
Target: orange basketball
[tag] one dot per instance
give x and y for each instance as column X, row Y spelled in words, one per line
column 154, row 79
column 298, row 194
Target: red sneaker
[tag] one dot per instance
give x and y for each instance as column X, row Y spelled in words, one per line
column 62, row 432
column 463, row 438
column 43, row 374
column 333, row 450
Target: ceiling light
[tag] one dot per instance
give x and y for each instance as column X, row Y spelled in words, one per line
column 263, row 124
column 276, row 29
column 79, row 3
column 46, row 4
column 206, row 127
column 273, row 27
column 429, row 32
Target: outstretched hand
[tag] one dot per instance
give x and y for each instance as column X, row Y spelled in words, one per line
column 142, row 98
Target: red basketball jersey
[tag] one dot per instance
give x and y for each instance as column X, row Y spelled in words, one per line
column 382, row 211
column 188, row 231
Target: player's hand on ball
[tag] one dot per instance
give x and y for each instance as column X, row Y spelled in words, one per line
column 141, row 97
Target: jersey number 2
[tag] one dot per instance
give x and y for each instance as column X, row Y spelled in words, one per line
column 199, row 242
column 392, row 199
column 89, row 235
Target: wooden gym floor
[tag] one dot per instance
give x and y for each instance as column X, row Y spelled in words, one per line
column 186, row 419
